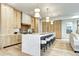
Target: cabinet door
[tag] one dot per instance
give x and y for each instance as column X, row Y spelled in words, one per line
column 57, row 28
column 44, row 28
column 4, row 43
column 7, row 18
column 18, row 19
column 19, row 38
column 3, row 19
column 10, row 23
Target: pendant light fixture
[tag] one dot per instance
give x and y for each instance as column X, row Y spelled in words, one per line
column 47, row 17
column 37, row 12
column 51, row 22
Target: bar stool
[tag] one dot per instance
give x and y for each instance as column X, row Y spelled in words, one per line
column 43, row 45
column 48, row 42
column 53, row 39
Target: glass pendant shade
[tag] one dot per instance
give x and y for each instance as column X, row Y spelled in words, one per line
column 37, row 15
column 51, row 22
column 37, row 10
column 47, row 19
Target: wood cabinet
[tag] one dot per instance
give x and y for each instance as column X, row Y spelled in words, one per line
column 44, row 29
column 34, row 25
column 0, row 18
column 18, row 19
column 47, row 27
column 25, row 27
column 9, row 20
column 55, row 27
column 11, row 39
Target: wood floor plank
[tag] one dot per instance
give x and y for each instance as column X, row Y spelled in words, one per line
column 12, row 51
column 60, row 48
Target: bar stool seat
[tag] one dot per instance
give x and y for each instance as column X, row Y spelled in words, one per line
column 53, row 39
column 43, row 41
column 48, row 41
column 43, row 45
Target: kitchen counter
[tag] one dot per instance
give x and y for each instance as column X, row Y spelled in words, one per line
column 31, row 43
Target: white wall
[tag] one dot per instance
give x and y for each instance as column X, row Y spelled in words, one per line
column 26, row 19
column 64, row 34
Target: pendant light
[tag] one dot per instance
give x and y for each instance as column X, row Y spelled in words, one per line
column 47, row 17
column 51, row 22
column 37, row 15
column 37, row 12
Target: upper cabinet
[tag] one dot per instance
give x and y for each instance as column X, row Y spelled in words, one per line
column 18, row 19
column 26, row 19
column 10, row 19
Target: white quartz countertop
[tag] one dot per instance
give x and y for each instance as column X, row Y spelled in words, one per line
column 40, row 34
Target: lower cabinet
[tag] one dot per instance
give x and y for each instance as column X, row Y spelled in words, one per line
column 8, row 40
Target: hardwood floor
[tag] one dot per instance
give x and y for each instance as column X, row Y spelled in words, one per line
column 60, row 48
column 12, row 51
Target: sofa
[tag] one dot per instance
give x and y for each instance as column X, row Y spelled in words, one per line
column 74, row 41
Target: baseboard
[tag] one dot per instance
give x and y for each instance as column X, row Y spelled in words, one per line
column 11, row 45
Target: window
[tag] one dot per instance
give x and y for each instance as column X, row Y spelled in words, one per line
column 69, row 27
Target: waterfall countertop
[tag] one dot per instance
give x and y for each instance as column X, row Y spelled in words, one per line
column 31, row 43
column 38, row 34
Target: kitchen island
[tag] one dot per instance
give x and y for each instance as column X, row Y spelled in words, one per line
column 31, row 43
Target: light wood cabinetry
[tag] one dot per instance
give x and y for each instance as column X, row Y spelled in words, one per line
column 18, row 19
column 0, row 18
column 55, row 27
column 11, row 39
column 44, row 27
column 34, row 25
column 10, row 19
column 47, row 26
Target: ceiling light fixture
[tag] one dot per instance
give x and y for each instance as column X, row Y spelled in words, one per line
column 37, row 12
column 51, row 22
column 47, row 17
column 37, row 15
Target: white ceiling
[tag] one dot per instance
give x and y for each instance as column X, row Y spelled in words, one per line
column 63, row 10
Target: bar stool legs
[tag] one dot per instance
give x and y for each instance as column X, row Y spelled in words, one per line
column 44, row 47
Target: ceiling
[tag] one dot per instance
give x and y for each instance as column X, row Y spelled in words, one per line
column 62, row 10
